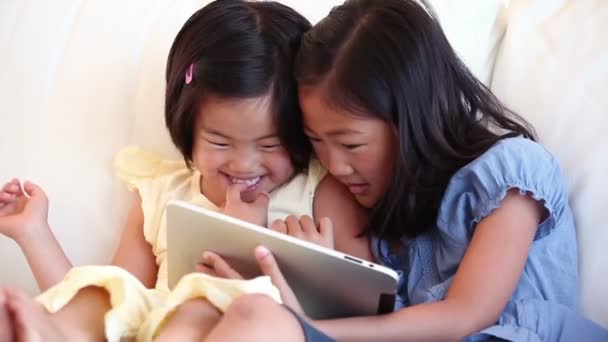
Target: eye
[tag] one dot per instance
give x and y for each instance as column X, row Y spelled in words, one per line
column 270, row 147
column 352, row 146
column 217, row 144
column 313, row 139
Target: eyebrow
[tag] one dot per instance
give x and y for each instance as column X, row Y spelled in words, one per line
column 336, row 132
column 220, row 134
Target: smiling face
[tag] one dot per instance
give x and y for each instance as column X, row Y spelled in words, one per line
column 236, row 141
column 358, row 150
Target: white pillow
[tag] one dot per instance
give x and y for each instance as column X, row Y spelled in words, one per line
column 553, row 70
column 475, row 29
column 67, row 76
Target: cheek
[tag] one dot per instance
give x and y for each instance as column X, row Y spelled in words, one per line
column 321, row 153
column 279, row 165
column 371, row 166
column 382, row 169
column 207, row 162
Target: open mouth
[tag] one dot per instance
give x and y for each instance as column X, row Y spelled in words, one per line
column 251, row 183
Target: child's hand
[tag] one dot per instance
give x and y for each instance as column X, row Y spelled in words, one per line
column 255, row 212
column 269, row 267
column 21, row 213
column 215, row 265
column 305, row 229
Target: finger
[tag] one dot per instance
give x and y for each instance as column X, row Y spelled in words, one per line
column 202, row 268
column 262, row 200
column 269, row 267
column 33, row 190
column 293, row 226
column 14, row 181
column 5, row 197
column 221, row 267
column 233, row 193
column 308, row 225
column 279, row 226
column 326, row 227
column 16, row 294
column 12, row 188
column 6, row 324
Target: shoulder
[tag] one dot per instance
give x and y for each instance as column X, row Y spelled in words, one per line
column 513, row 162
column 148, row 173
column 511, row 153
column 480, row 187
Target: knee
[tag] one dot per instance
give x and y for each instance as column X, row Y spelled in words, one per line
column 252, row 306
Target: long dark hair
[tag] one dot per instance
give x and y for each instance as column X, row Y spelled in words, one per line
column 237, row 49
column 391, row 59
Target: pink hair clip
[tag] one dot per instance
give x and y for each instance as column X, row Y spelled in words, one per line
column 190, row 74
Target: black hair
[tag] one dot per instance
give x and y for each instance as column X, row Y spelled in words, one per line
column 237, row 49
column 390, row 59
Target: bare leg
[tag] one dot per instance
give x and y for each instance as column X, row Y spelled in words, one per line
column 192, row 321
column 256, row 318
column 80, row 320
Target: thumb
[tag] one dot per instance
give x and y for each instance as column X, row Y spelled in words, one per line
column 33, row 190
column 269, row 267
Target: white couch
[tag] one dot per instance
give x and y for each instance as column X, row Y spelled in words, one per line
column 79, row 79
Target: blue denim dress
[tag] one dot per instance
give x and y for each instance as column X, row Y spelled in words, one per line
column 544, row 305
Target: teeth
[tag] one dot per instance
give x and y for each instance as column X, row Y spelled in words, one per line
column 248, row 182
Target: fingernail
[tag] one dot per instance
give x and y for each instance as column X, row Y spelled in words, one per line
column 262, row 251
column 206, row 255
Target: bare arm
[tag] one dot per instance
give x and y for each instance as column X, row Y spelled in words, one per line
column 46, row 258
column 333, row 200
column 476, row 297
column 134, row 253
column 24, row 218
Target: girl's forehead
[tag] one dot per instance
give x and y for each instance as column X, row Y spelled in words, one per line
column 314, row 99
column 237, row 118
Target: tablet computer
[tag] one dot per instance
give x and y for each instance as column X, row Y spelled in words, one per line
column 327, row 283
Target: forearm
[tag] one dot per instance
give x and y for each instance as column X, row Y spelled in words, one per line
column 440, row 321
column 46, row 258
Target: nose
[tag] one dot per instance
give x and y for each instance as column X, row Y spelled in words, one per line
column 243, row 162
column 337, row 164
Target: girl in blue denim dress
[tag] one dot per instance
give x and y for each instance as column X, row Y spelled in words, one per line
column 463, row 203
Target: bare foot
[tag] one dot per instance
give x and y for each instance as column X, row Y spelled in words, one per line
column 6, row 324
column 31, row 323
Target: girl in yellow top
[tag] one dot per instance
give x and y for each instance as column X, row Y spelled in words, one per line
column 232, row 111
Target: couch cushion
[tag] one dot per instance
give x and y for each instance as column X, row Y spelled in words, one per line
column 553, row 69
column 475, row 29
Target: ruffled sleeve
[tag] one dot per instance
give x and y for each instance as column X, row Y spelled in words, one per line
column 135, row 165
column 479, row 188
column 155, row 179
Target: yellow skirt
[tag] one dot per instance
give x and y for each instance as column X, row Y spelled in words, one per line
column 138, row 313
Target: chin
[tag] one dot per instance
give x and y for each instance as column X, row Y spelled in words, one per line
column 365, row 202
